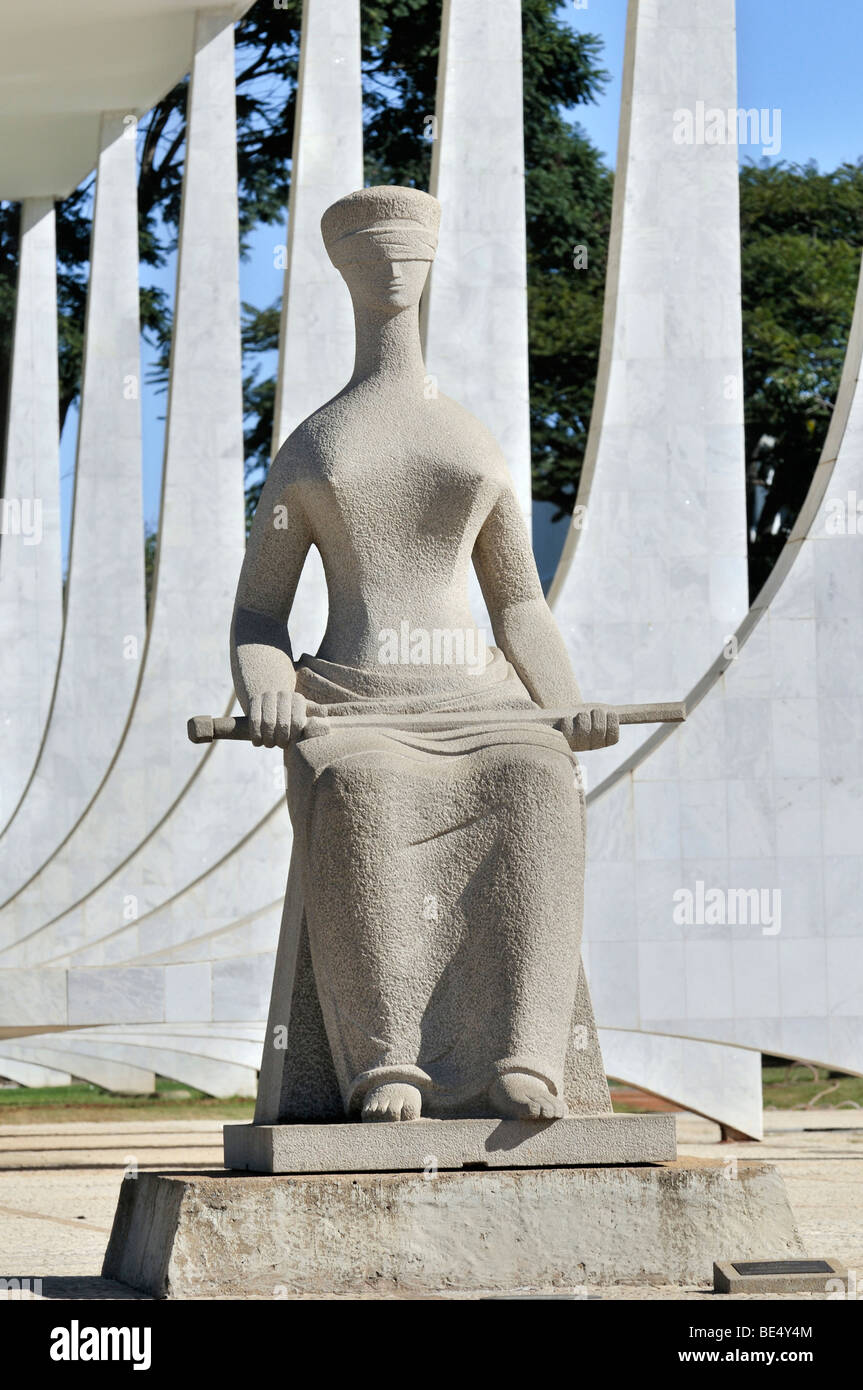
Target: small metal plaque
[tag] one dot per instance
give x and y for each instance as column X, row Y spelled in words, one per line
column 784, row 1267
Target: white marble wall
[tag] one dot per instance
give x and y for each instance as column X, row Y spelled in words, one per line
column 214, row 1058
column 30, row 567
column 83, row 1060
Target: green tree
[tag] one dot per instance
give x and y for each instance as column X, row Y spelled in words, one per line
column 801, row 236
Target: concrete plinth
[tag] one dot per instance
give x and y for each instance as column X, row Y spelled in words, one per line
column 763, row 1277
column 424, row 1145
column 210, row 1235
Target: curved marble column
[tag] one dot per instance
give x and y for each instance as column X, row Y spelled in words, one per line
column 475, row 310
column 722, row 1083
column 316, row 340
column 104, row 629
column 759, row 793
column 82, row 1061
column 32, row 1074
column 31, row 600
column 653, row 576
column 214, row 1062
column 201, row 534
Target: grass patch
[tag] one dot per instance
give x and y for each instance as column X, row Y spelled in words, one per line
column 27, row 1105
column 798, row 1084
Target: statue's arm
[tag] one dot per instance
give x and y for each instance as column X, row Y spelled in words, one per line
column 524, row 628
column 261, row 657
column 523, row 625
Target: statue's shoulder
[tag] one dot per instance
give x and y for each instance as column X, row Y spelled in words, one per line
column 473, row 440
column 300, row 455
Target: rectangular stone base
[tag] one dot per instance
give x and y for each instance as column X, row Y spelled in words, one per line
column 756, row 1276
column 367, row 1235
column 434, row 1145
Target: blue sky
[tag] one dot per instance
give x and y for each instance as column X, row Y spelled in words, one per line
column 801, row 57
column 794, row 55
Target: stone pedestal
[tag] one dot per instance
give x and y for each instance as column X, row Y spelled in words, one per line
column 366, row 1235
column 434, row 1145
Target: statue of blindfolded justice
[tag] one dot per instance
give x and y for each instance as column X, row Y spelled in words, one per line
column 430, row 948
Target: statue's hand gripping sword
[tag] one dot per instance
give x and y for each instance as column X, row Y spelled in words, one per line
column 310, row 721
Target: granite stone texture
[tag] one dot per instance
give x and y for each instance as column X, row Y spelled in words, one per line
column 436, row 876
column 425, row 1145
column 220, row 1235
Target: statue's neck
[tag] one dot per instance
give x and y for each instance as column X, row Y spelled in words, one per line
column 388, row 347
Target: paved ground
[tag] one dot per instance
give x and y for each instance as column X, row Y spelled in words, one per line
column 58, row 1189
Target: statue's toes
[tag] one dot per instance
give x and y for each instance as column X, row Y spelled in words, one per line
column 393, row 1102
column 411, row 1108
column 548, row 1109
column 519, row 1096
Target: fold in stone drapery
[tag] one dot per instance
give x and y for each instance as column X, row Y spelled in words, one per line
column 443, row 925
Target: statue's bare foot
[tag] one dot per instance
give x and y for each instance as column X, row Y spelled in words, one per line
column 520, row 1096
column 395, row 1101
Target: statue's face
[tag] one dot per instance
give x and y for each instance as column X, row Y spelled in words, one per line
column 386, row 285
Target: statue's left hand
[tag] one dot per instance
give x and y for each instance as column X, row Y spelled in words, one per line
column 593, row 726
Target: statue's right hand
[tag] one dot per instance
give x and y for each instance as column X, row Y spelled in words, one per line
column 270, row 719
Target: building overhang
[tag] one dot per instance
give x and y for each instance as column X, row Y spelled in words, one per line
column 62, row 65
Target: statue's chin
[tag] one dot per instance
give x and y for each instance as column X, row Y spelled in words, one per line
column 395, row 299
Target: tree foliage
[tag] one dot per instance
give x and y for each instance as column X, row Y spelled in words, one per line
column 801, row 236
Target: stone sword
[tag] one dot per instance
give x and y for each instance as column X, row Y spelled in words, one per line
column 205, row 728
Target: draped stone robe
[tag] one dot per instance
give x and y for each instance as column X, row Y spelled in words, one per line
column 440, row 945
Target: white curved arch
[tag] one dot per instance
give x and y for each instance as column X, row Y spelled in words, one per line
column 30, row 565
column 202, row 527
column 103, row 628
column 761, row 789
column 653, row 575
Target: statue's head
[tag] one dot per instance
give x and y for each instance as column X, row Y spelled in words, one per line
column 383, row 241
